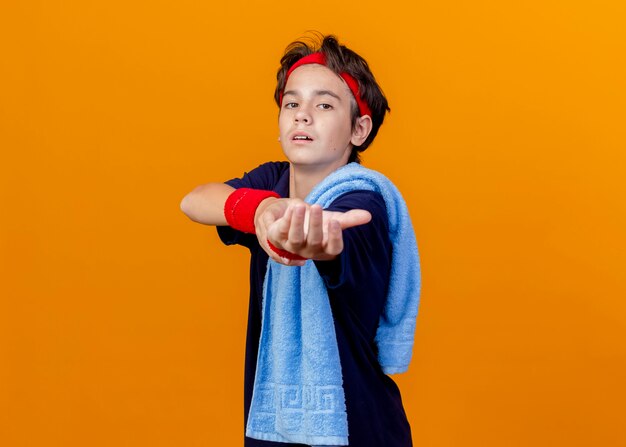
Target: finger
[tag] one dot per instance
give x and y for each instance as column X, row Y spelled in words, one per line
column 290, row 262
column 353, row 218
column 296, row 229
column 280, row 258
column 315, row 234
column 294, row 262
column 271, row 253
column 274, row 255
column 282, row 226
column 269, row 229
column 334, row 246
column 278, row 231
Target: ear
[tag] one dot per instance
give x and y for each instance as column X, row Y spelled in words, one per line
column 361, row 130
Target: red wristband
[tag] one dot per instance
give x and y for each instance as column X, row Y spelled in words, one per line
column 241, row 206
column 284, row 253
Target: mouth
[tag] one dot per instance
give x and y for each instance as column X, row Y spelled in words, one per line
column 301, row 137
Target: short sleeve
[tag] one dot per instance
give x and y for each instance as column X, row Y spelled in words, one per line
column 366, row 257
column 268, row 176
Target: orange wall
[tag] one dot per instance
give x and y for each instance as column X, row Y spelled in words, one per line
column 122, row 322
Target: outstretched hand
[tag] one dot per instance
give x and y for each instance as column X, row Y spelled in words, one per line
column 303, row 229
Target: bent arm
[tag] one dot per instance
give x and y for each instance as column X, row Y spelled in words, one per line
column 205, row 204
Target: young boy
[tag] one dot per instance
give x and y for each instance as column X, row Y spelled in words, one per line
column 334, row 276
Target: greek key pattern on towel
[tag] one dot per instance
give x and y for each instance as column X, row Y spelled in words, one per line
column 295, row 408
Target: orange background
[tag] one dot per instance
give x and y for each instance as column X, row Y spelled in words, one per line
column 122, row 322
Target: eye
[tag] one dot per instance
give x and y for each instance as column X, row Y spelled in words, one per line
column 325, row 106
column 291, row 105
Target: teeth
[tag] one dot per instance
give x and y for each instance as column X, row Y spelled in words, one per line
column 301, row 137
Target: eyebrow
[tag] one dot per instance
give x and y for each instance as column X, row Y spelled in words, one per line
column 315, row 93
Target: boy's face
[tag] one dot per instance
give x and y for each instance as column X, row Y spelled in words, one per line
column 315, row 118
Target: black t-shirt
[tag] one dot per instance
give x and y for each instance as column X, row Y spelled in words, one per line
column 357, row 282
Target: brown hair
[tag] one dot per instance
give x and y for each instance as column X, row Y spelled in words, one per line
column 339, row 59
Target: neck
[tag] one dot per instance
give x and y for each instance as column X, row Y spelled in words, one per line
column 302, row 179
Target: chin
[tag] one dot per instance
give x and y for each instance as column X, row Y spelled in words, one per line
column 299, row 157
column 299, row 161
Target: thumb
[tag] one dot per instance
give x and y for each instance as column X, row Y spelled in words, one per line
column 353, row 218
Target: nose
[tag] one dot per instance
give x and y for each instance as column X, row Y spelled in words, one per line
column 303, row 115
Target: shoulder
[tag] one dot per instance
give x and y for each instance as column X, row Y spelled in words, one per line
column 264, row 176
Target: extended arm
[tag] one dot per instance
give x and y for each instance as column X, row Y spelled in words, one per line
column 205, row 204
column 314, row 235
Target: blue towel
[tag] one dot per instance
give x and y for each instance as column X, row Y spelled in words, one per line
column 298, row 392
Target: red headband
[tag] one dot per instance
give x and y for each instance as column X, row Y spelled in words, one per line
column 319, row 58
